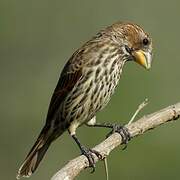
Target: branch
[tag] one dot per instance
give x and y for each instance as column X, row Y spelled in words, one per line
column 144, row 124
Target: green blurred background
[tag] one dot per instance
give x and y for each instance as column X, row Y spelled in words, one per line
column 38, row 36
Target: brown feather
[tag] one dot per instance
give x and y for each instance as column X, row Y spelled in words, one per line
column 65, row 84
column 34, row 157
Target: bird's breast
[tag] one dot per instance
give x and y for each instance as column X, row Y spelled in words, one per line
column 94, row 89
column 106, row 78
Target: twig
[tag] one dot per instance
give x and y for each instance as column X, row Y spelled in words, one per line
column 106, row 168
column 140, row 107
column 151, row 121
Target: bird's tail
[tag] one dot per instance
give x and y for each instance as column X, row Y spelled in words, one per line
column 35, row 156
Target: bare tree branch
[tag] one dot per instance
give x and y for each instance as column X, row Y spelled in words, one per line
column 148, row 122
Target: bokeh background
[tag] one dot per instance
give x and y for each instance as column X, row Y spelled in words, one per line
column 38, row 36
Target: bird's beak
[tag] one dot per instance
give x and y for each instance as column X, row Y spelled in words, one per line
column 143, row 58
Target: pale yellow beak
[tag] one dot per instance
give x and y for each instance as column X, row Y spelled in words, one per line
column 143, row 58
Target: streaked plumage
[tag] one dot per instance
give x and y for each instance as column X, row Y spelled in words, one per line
column 87, row 82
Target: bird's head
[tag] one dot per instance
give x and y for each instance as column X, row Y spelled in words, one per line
column 134, row 41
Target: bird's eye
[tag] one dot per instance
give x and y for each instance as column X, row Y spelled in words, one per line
column 145, row 41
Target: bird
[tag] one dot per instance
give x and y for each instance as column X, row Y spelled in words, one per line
column 86, row 85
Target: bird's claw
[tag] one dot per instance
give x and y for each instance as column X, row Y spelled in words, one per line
column 123, row 131
column 89, row 154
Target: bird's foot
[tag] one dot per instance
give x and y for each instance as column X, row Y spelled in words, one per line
column 89, row 153
column 123, row 131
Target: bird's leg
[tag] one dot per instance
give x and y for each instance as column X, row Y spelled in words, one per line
column 122, row 130
column 88, row 153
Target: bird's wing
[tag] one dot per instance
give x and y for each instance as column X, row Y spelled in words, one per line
column 69, row 77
